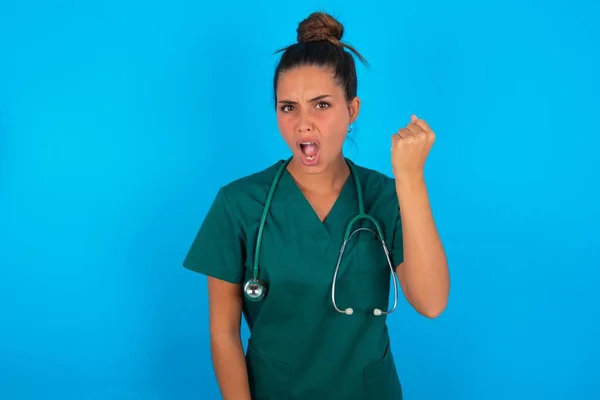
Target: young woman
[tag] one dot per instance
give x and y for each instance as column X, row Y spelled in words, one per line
column 274, row 244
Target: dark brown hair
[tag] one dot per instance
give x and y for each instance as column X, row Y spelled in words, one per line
column 319, row 43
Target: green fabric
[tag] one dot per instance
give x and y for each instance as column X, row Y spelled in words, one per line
column 300, row 347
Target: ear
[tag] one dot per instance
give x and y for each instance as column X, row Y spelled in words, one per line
column 354, row 109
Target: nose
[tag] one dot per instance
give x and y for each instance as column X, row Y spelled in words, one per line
column 304, row 123
column 304, row 128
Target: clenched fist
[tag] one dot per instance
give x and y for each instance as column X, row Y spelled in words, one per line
column 410, row 148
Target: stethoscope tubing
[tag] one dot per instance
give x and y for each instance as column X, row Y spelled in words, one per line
column 255, row 289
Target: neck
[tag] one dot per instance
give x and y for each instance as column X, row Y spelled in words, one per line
column 331, row 178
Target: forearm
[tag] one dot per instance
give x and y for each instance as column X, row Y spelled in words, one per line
column 230, row 367
column 425, row 268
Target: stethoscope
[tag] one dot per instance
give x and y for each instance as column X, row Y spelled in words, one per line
column 255, row 289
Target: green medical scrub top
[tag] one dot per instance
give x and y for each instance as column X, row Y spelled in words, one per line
column 300, row 347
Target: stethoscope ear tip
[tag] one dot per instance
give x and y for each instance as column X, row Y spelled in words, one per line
column 349, row 311
column 377, row 311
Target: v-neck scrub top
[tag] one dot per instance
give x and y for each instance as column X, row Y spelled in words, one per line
column 301, row 348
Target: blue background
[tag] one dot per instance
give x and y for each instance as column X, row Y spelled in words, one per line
column 120, row 120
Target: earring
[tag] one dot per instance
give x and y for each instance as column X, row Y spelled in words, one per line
column 349, row 128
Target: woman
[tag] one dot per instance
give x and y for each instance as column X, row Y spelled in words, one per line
column 310, row 340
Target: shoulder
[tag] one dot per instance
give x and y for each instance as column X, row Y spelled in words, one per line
column 253, row 183
column 243, row 197
column 375, row 183
column 378, row 190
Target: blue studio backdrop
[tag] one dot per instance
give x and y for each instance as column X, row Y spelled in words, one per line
column 119, row 121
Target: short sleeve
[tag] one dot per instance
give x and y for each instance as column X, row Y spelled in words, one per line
column 218, row 248
column 398, row 242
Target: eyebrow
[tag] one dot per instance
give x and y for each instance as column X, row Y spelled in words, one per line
column 321, row 97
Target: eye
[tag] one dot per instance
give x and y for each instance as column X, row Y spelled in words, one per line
column 286, row 107
column 323, row 104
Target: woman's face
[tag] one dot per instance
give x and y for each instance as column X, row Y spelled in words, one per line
column 313, row 116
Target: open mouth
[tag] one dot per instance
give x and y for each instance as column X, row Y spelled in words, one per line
column 310, row 151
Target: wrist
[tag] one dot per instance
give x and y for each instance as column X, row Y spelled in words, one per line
column 409, row 180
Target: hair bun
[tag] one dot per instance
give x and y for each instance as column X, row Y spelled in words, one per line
column 320, row 26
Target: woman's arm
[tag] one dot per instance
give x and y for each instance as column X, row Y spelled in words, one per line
column 424, row 273
column 229, row 363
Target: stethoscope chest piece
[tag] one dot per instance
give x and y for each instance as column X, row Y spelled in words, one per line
column 254, row 290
